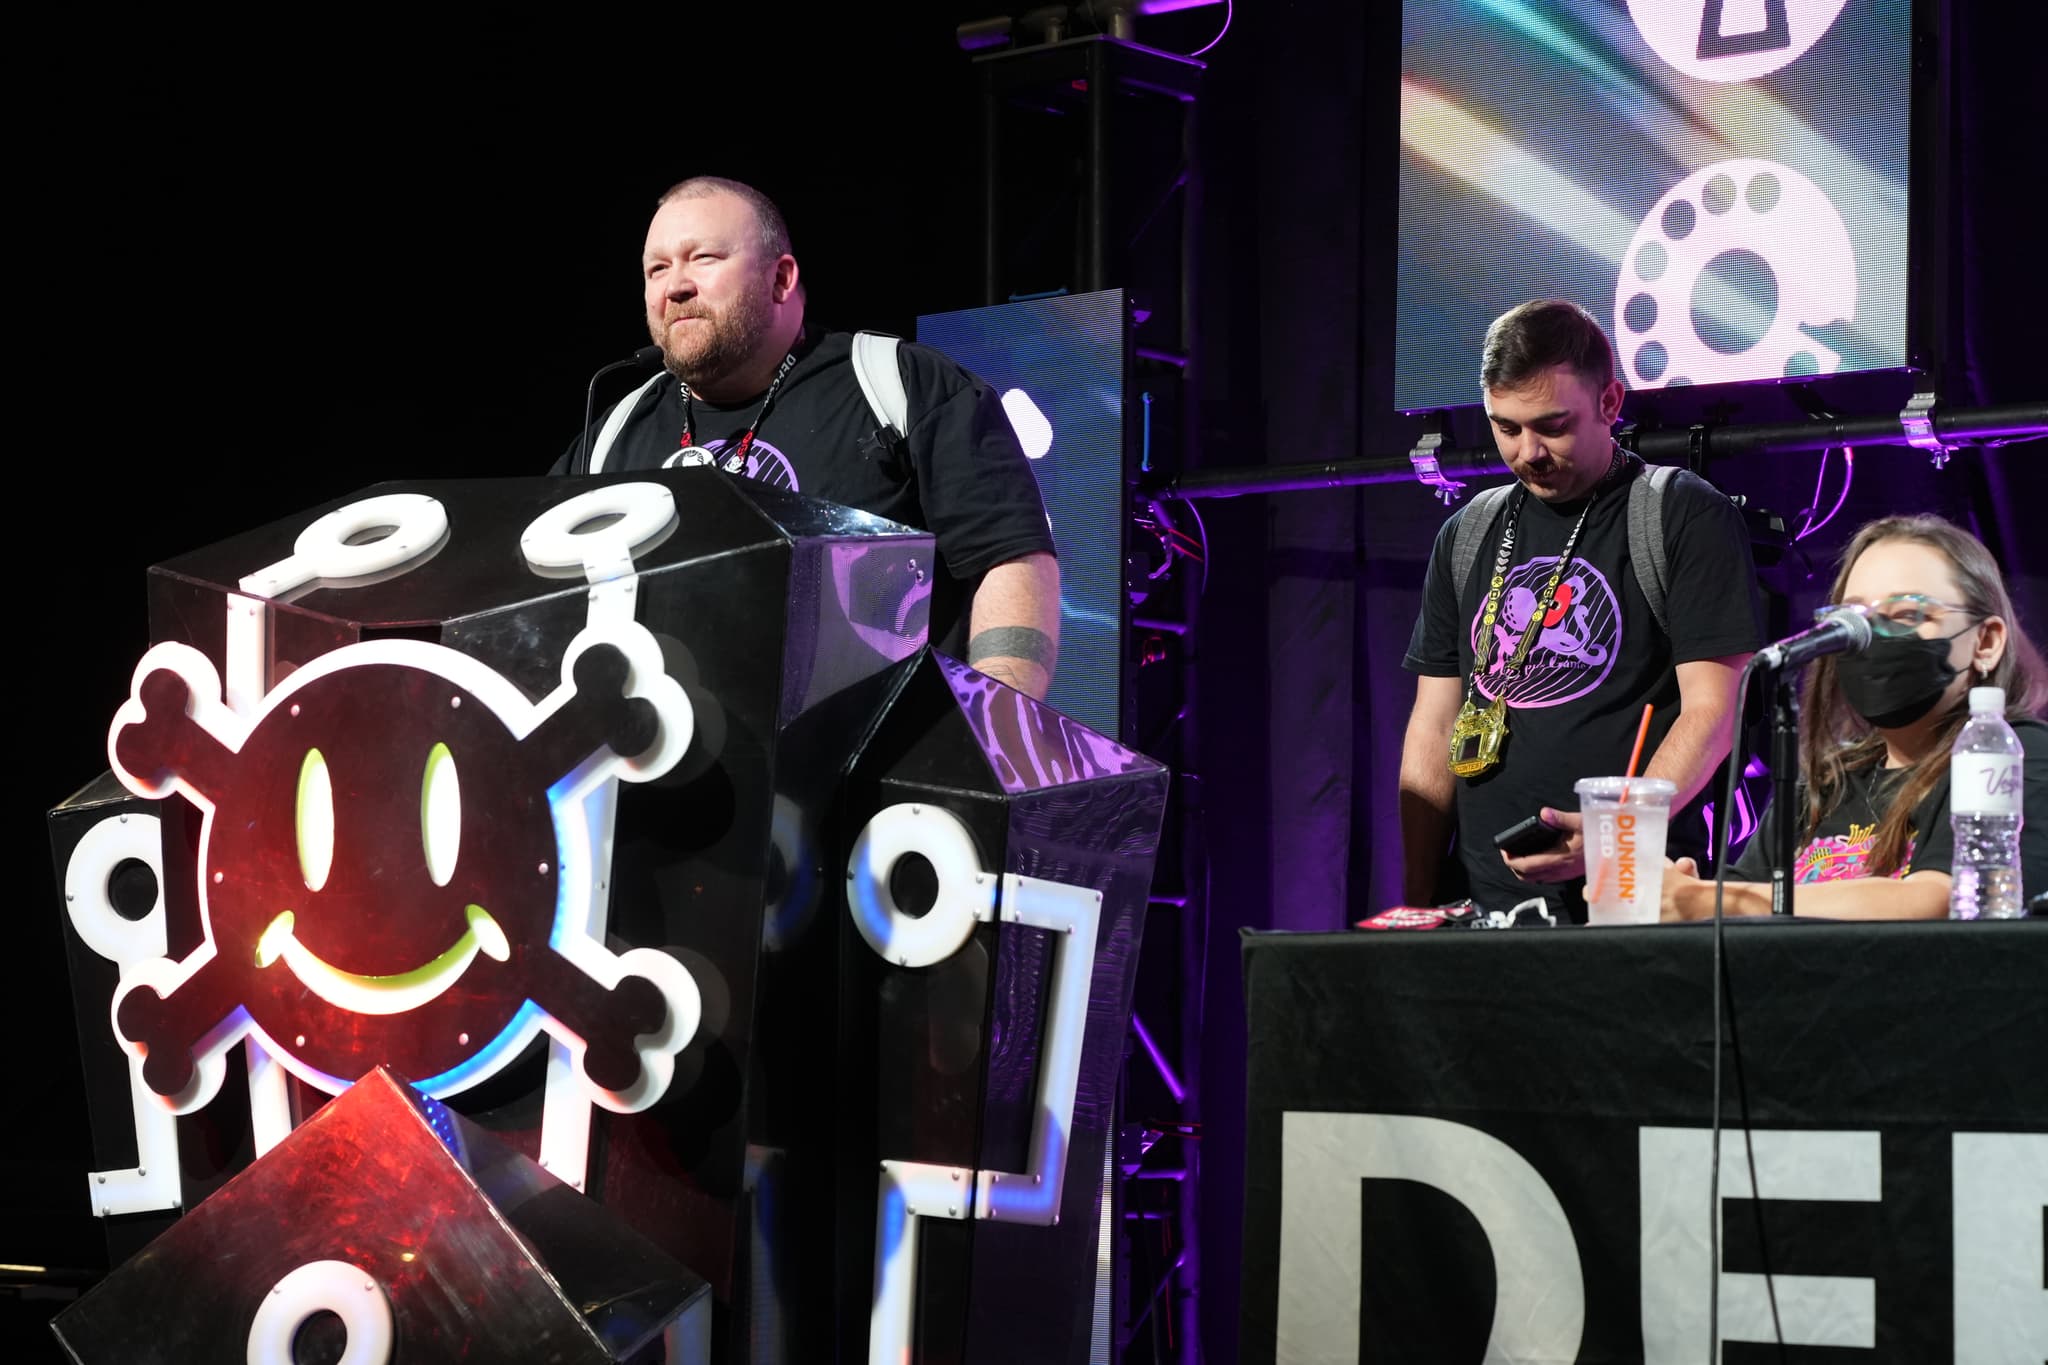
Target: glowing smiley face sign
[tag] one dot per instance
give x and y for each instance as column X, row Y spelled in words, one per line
column 382, row 868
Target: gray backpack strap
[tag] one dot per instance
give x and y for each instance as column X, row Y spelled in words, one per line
column 608, row 434
column 1646, row 537
column 881, row 381
column 1479, row 514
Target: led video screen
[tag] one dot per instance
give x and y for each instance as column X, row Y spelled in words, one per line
column 1059, row 365
column 1723, row 183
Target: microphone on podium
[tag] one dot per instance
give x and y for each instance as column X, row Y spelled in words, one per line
column 645, row 358
column 1844, row 630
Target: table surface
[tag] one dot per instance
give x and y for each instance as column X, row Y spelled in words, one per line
column 1577, row 1047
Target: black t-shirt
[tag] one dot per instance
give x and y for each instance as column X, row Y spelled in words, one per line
column 1840, row 848
column 959, row 472
column 1574, row 709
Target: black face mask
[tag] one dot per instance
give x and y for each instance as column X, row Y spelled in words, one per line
column 1897, row 680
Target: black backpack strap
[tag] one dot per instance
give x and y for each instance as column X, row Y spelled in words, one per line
column 1646, row 538
column 1473, row 524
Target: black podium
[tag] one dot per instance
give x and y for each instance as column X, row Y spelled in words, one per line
column 632, row 819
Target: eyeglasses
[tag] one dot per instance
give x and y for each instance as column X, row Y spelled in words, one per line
column 1900, row 614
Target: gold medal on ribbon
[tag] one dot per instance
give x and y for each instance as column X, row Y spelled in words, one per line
column 1477, row 736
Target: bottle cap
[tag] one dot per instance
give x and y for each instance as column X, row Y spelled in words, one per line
column 1987, row 701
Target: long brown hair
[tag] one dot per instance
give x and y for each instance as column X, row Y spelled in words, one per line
column 1834, row 741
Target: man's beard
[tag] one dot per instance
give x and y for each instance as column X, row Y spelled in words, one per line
column 726, row 342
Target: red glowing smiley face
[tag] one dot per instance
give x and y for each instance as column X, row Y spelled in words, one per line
column 380, row 869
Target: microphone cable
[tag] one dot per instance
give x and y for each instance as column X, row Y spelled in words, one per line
column 1780, row 798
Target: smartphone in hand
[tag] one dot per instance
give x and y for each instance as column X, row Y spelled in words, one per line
column 1528, row 836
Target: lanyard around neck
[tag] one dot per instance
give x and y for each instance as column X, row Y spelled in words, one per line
column 735, row 460
column 1483, row 651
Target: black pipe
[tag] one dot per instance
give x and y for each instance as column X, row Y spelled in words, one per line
column 2017, row 420
column 992, row 280
column 1784, row 778
column 1285, row 478
column 1102, row 95
column 1983, row 424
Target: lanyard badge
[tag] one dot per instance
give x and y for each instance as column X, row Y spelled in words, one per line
column 735, row 459
column 1481, row 731
column 1477, row 736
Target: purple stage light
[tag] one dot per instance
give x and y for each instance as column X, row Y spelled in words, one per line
column 1173, row 1084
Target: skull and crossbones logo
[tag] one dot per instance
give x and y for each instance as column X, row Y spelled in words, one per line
column 392, row 861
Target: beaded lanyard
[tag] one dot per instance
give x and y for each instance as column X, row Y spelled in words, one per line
column 1479, row 731
column 735, row 461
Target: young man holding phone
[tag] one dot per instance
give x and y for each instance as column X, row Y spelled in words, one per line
column 1533, row 664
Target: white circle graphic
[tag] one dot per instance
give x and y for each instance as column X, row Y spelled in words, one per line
column 967, row 894
column 414, row 524
column 553, row 539
column 324, row 1286
column 1732, row 40
column 416, row 521
column 105, row 847
column 1760, row 213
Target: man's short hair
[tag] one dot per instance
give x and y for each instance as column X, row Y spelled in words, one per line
column 1530, row 338
column 774, row 232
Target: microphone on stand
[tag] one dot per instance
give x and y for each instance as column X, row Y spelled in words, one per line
column 1844, row 630
column 641, row 359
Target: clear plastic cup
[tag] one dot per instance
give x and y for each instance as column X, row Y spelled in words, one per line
column 1626, row 819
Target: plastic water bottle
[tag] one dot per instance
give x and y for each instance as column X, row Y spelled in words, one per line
column 1985, row 772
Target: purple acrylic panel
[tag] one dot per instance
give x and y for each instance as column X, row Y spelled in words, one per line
column 1101, row 834
column 1029, row 745
column 1046, row 798
column 875, row 592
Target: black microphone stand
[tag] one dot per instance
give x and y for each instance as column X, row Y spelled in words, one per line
column 643, row 358
column 1784, row 788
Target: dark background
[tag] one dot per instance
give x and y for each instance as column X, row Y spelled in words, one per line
column 268, row 265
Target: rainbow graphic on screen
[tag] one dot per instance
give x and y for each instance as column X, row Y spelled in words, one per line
column 1723, row 182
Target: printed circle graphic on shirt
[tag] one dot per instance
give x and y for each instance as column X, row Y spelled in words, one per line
column 1581, row 635
column 764, row 462
column 1733, row 40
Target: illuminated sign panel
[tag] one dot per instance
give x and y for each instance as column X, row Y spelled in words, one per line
column 1059, row 364
column 402, row 859
column 344, row 925
column 1723, row 185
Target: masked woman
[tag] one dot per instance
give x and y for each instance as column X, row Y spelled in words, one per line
column 1875, row 730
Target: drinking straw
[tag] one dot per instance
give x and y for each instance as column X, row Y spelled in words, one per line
column 1642, row 733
